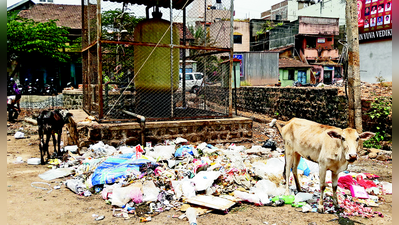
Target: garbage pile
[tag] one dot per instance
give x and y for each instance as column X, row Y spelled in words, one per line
column 145, row 181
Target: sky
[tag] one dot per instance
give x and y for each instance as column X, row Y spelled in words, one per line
column 243, row 8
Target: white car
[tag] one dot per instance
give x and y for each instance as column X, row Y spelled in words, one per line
column 193, row 81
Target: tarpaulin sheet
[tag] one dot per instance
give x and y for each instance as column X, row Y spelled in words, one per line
column 114, row 168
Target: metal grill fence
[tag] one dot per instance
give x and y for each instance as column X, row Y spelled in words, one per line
column 135, row 65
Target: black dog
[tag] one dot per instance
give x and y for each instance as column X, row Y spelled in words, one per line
column 51, row 123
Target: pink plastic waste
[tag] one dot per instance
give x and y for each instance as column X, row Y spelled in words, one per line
column 346, row 182
column 365, row 183
column 136, row 195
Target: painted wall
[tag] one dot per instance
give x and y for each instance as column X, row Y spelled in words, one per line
column 375, row 60
column 284, row 75
column 332, row 8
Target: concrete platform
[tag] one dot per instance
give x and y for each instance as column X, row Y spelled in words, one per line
column 212, row 131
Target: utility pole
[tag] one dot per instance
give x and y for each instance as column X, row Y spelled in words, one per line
column 354, row 91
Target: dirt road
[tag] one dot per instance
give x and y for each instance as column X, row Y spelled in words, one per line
column 30, row 201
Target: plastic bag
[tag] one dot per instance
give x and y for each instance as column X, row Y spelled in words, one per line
column 304, row 167
column 303, row 197
column 122, row 195
column 19, row 135
column 346, row 181
column 274, row 166
column 204, row 179
column 246, row 196
column 184, row 151
column 71, row 148
column 150, row 191
column 161, row 152
column 188, row 188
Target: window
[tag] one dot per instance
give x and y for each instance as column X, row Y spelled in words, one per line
column 291, row 74
column 237, row 39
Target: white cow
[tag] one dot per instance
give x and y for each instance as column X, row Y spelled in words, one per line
column 333, row 148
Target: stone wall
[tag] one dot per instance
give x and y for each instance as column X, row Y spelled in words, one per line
column 211, row 131
column 322, row 105
column 72, row 99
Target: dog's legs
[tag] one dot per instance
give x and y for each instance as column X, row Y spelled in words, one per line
column 48, row 133
column 296, row 159
column 59, row 133
column 54, row 142
column 322, row 174
column 41, row 144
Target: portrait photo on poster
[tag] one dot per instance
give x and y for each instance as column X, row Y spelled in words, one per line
column 388, row 6
column 381, row 8
column 373, row 9
column 372, row 22
column 379, row 21
column 366, row 23
column 387, row 19
column 367, row 11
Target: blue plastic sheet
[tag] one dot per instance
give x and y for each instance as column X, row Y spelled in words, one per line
column 304, row 167
column 114, row 168
column 184, row 150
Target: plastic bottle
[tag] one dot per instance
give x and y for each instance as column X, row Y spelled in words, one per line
column 288, row 199
column 191, row 215
column 75, row 186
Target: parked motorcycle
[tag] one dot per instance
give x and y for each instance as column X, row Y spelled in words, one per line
column 35, row 88
column 50, row 89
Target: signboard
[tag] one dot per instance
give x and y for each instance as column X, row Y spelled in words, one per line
column 374, row 19
column 240, row 58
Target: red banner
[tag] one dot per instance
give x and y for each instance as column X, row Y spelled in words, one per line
column 374, row 19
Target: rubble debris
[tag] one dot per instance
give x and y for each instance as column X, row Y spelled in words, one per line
column 146, row 181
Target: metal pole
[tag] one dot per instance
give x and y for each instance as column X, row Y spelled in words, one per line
column 184, row 60
column 235, row 89
column 171, row 58
column 231, row 57
column 99, row 63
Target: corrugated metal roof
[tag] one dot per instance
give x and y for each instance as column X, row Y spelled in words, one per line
column 177, row 4
column 292, row 63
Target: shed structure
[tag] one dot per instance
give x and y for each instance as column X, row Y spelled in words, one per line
column 131, row 52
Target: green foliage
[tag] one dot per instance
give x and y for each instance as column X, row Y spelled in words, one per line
column 245, row 83
column 27, row 38
column 116, row 20
column 118, row 59
column 268, row 25
column 381, row 108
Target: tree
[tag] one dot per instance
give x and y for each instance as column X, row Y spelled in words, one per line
column 27, row 38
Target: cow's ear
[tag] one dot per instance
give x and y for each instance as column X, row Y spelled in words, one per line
column 334, row 134
column 366, row 135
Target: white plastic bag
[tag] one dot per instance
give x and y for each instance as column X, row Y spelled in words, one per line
column 204, row 179
column 188, row 188
column 19, row 135
column 246, row 196
column 150, row 191
column 161, row 152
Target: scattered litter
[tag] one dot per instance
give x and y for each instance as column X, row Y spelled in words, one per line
column 146, row 181
column 19, row 135
column 33, row 184
column 33, row 161
column 56, row 173
column 19, row 160
column 212, row 202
